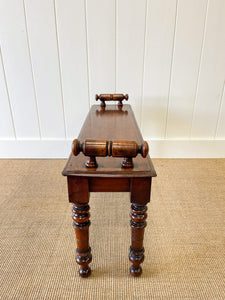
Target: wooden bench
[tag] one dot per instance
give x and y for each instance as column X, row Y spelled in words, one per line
column 105, row 158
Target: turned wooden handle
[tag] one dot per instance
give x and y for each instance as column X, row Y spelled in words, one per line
column 115, row 148
column 111, row 97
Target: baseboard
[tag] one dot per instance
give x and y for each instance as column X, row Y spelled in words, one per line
column 187, row 148
column 158, row 148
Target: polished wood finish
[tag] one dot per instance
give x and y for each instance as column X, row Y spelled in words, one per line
column 109, row 130
column 78, row 189
column 103, row 110
column 111, row 97
column 111, row 124
column 138, row 216
column 109, row 184
column 140, row 190
column 81, row 223
column 93, row 148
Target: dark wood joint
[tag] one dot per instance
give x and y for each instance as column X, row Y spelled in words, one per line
column 140, row 190
column 78, row 189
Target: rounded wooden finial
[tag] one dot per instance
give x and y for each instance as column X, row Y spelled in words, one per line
column 75, row 147
column 144, row 149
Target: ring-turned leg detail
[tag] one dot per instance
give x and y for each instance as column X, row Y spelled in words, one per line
column 138, row 223
column 81, row 225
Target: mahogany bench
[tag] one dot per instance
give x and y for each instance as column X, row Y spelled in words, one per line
column 111, row 134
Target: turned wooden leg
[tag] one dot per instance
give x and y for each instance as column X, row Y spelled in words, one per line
column 81, row 225
column 138, row 223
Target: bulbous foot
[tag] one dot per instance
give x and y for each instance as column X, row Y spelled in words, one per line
column 135, row 271
column 85, row 272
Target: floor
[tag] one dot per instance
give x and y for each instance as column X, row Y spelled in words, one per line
column 184, row 240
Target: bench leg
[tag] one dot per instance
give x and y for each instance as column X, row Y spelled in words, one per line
column 138, row 223
column 81, row 225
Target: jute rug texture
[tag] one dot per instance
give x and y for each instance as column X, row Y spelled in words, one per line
column 184, row 239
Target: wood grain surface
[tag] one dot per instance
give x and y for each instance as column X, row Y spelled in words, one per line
column 111, row 123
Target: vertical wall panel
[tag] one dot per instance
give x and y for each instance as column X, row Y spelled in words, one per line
column 6, row 121
column 185, row 67
column 220, row 132
column 15, row 54
column 130, row 50
column 212, row 73
column 73, row 57
column 44, row 55
column 101, row 46
column 160, row 24
column 168, row 55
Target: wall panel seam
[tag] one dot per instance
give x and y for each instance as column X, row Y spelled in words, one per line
column 143, row 62
column 219, row 112
column 7, row 91
column 171, row 69
column 199, row 68
column 87, row 55
column 32, row 72
column 116, row 27
column 60, row 70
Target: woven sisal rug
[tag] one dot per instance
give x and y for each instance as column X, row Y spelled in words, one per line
column 184, row 239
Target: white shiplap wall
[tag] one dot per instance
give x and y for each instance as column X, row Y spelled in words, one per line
column 168, row 55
